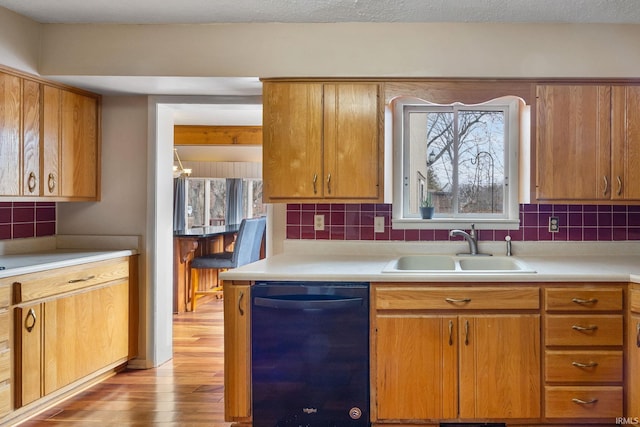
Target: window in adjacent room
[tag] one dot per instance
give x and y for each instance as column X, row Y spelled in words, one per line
column 464, row 156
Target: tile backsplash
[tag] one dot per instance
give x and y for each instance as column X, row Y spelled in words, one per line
column 27, row 219
column 576, row 223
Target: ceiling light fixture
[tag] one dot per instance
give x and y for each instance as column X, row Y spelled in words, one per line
column 179, row 170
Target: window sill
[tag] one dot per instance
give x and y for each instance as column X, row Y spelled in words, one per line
column 450, row 223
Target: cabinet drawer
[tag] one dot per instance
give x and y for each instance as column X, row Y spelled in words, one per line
column 5, row 364
column 583, row 402
column 583, row 366
column 48, row 283
column 437, row 298
column 5, row 293
column 5, row 398
column 584, row 330
column 580, row 299
column 634, row 300
column 4, row 326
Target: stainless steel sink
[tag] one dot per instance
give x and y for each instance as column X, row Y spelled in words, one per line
column 450, row 264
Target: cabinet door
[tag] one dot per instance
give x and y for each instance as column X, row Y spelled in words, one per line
column 625, row 150
column 51, row 141
column 84, row 333
column 573, row 142
column 633, row 366
column 351, row 141
column 237, row 355
column 10, row 110
column 416, row 367
column 30, row 138
column 28, row 348
column 79, row 146
column 292, row 136
column 500, row 366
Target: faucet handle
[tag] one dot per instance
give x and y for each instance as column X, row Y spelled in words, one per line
column 472, row 233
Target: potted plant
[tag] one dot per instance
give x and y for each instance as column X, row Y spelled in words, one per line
column 426, row 207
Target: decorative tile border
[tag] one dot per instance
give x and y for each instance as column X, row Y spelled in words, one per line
column 27, row 219
column 577, row 223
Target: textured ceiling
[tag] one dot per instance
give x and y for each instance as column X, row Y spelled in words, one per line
column 233, row 11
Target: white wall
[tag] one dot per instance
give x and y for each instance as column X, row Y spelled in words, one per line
column 122, row 209
column 347, row 49
column 19, row 41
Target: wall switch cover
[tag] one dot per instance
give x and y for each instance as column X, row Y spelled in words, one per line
column 318, row 222
column 378, row 224
column 554, row 224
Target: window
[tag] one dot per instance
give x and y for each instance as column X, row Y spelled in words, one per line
column 208, row 202
column 464, row 156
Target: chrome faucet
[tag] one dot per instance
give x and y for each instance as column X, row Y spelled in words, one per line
column 470, row 237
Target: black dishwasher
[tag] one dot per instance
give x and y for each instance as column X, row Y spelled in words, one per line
column 310, row 354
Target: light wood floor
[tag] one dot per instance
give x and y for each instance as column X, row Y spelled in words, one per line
column 186, row 391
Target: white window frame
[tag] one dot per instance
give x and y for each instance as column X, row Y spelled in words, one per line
column 514, row 110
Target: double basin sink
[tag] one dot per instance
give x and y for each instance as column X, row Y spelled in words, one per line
column 456, row 264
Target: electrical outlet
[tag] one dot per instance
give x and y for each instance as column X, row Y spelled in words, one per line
column 378, row 224
column 318, row 222
column 554, row 224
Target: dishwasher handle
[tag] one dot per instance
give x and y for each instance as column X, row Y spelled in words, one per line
column 309, row 302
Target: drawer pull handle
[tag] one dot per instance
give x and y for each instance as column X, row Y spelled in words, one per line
column 240, row 309
column 30, row 320
column 638, row 335
column 585, row 365
column 451, row 332
column 86, row 279
column 606, row 186
column 458, row 300
column 585, row 301
column 329, row 184
column 466, row 332
column 584, row 402
column 31, row 182
column 51, row 183
column 589, row 328
column 315, row 181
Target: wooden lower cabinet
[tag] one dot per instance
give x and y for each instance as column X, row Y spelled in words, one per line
column 633, row 353
column 5, row 352
column 71, row 325
column 237, row 355
column 454, row 366
column 584, row 360
column 63, row 340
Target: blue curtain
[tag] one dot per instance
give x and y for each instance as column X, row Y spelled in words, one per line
column 179, row 200
column 233, row 215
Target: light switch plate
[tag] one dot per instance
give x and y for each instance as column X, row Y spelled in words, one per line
column 318, row 222
column 378, row 224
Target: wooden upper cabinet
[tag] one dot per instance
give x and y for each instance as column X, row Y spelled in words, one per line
column 322, row 141
column 30, row 138
column 625, row 142
column 10, row 153
column 51, row 141
column 573, row 142
column 79, row 169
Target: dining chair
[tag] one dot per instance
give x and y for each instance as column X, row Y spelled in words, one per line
column 245, row 250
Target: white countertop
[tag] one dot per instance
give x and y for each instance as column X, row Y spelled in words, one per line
column 335, row 265
column 16, row 264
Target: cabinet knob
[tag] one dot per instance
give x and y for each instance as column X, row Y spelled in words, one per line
column 30, row 320
column 51, row 182
column 31, row 183
column 619, row 186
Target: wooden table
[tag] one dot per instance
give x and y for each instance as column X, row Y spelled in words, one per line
column 195, row 242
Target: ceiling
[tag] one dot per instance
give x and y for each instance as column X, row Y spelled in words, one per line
column 291, row 11
column 300, row 11
column 295, row 11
